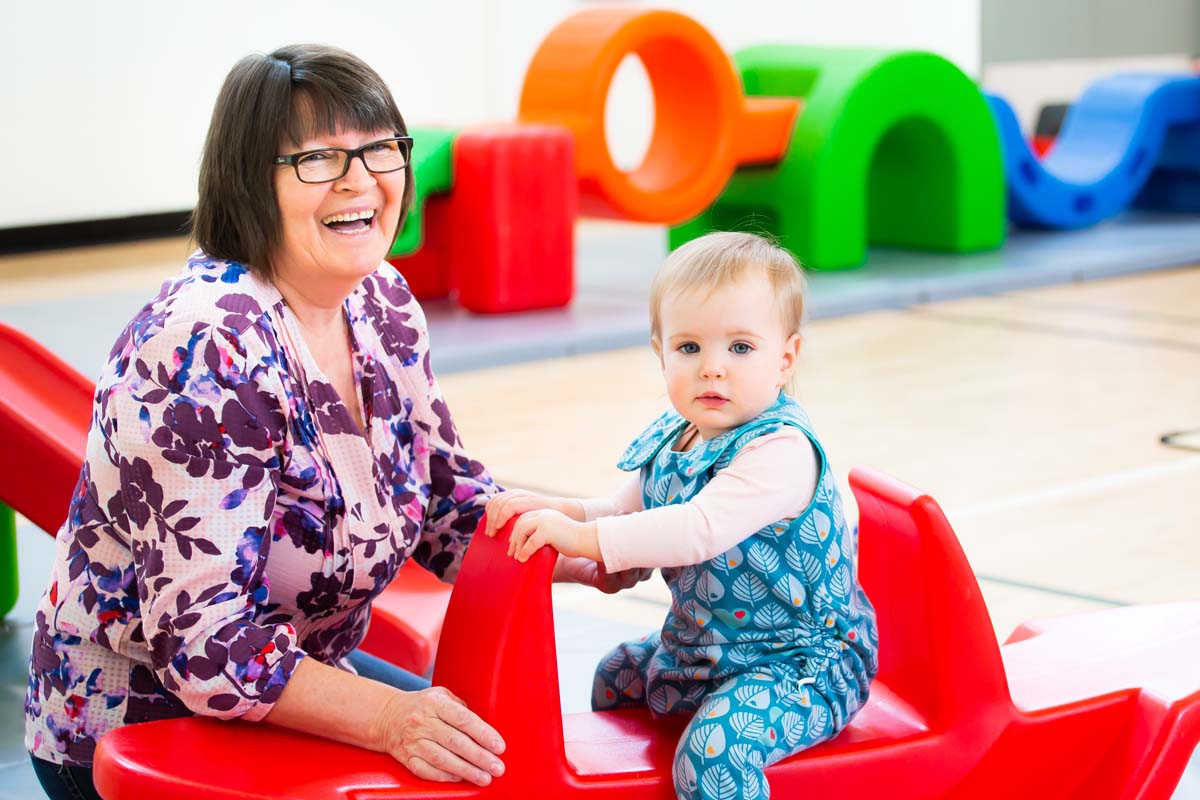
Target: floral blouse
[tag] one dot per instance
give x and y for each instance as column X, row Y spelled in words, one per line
column 230, row 517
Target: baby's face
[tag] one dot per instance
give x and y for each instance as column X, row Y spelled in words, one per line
column 725, row 353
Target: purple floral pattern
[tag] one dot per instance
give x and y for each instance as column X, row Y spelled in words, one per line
column 231, row 518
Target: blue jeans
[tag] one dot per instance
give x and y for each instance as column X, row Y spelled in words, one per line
column 75, row 783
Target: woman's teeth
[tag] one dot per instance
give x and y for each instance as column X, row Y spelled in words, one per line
column 356, row 222
column 351, row 217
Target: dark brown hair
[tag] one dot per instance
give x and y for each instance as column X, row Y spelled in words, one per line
column 267, row 102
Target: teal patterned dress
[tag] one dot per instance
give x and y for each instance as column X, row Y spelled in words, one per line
column 771, row 646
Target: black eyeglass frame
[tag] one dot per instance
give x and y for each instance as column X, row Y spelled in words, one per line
column 351, row 153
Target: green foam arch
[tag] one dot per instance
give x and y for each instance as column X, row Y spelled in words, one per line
column 897, row 149
column 10, row 582
column 433, row 173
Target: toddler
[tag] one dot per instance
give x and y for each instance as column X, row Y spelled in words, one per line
column 770, row 644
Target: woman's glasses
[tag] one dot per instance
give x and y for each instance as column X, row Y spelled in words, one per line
column 331, row 163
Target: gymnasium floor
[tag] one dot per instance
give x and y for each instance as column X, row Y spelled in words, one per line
column 1033, row 415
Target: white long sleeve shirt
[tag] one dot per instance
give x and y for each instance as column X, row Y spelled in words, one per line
column 773, row 478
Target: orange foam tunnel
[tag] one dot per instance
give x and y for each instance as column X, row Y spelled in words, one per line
column 704, row 126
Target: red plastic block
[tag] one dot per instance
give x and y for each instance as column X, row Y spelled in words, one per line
column 428, row 270
column 513, row 209
column 1103, row 705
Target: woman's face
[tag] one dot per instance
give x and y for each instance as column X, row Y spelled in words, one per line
column 319, row 247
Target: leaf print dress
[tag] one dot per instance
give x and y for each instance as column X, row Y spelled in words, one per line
column 770, row 646
column 230, row 518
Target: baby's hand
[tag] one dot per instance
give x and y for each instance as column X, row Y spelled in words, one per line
column 548, row 527
column 504, row 506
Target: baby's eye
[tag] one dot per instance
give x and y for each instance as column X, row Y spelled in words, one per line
column 689, row 348
column 740, row 348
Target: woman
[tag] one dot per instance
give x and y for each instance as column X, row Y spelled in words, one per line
column 268, row 446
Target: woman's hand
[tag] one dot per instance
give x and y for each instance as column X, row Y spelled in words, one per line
column 535, row 529
column 435, row 735
column 592, row 573
column 504, row 506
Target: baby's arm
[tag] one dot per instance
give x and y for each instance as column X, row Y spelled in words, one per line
column 773, row 478
column 565, row 523
column 627, row 500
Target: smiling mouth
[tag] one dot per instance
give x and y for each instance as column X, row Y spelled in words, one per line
column 356, row 222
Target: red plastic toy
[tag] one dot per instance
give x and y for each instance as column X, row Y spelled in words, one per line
column 1103, row 705
column 45, row 410
column 513, row 210
column 503, row 238
column 427, row 270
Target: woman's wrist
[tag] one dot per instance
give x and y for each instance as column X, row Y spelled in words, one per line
column 339, row 705
column 383, row 723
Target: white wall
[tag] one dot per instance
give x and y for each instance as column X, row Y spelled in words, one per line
column 115, row 96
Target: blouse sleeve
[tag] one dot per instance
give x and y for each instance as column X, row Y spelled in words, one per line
column 772, row 478
column 459, row 486
column 197, row 440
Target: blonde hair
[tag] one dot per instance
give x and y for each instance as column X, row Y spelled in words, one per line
column 718, row 259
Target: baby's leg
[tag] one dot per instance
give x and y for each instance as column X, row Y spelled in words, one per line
column 621, row 676
column 749, row 722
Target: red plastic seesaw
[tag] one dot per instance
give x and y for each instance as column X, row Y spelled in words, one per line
column 1103, row 705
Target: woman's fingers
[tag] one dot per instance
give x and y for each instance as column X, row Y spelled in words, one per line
column 456, row 714
column 464, row 755
column 439, row 739
column 462, row 743
column 426, row 771
column 437, row 752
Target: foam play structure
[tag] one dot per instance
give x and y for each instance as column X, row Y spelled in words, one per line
column 433, row 168
column 828, row 149
column 704, row 125
column 45, row 410
column 1102, row 705
column 1125, row 141
column 499, row 235
column 870, row 160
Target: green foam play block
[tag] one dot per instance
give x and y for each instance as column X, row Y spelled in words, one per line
column 433, row 173
column 9, row 576
column 896, row 149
